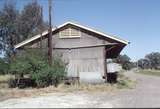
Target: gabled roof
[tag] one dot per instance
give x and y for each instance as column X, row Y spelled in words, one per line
column 74, row 24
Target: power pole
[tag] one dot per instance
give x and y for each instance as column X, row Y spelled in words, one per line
column 41, row 10
column 50, row 34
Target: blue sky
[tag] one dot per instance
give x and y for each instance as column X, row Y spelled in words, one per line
column 137, row 21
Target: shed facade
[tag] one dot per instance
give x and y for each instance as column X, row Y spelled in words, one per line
column 84, row 49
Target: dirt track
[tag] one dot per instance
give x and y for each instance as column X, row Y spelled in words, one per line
column 146, row 94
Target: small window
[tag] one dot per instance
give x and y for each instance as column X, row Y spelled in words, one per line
column 65, row 32
column 70, row 33
column 75, row 32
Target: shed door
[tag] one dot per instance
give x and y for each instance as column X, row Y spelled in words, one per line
column 86, row 64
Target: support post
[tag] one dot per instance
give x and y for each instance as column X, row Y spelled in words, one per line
column 50, row 34
column 41, row 29
column 105, row 64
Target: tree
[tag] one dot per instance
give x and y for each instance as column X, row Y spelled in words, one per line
column 8, row 31
column 16, row 26
column 31, row 20
column 124, row 60
column 144, row 63
column 154, row 59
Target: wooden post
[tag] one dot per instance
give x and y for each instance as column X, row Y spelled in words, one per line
column 41, row 30
column 50, row 34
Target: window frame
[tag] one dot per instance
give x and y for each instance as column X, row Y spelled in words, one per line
column 70, row 35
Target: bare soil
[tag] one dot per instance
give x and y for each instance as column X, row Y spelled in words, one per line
column 145, row 94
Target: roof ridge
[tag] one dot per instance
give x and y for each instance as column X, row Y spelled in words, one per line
column 96, row 30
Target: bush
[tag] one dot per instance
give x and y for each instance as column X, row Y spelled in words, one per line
column 127, row 65
column 20, row 66
column 50, row 75
column 34, row 62
column 125, row 61
column 4, row 66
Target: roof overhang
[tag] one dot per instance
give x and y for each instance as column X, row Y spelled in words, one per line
column 112, row 51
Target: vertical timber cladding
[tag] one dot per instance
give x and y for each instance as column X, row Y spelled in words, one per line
column 86, row 63
column 105, row 63
column 84, row 58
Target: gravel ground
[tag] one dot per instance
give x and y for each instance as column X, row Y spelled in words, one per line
column 146, row 94
column 57, row 100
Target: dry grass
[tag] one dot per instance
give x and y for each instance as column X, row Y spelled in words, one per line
column 5, row 78
column 125, row 82
column 6, row 93
column 150, row 72
column 88, row 87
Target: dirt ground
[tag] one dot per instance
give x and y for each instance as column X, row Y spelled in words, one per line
column 145, row 94
column 57, row 100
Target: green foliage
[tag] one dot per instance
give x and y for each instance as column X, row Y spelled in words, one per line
column 151, row 60
column 8, row 31
column 17, row 25
column 154, row 59
column 49, row 75
column 31, row 20
column 20, row 66
column 127, row 65
column 144, row 63
column 4, row 66
column 124, row 60
column 34, row 62
column 27, row 62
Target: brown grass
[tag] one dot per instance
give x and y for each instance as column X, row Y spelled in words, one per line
column 5, row 78
column 150, row 72
column 6, row 93
column 88, row 87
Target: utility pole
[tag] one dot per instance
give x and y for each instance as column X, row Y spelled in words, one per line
column 41, row 10
column 50, row 34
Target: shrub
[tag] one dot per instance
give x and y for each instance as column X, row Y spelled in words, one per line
column 125, row 61
column 127, row 65
column 12, row 83
column 20, row 66
column 4, row 66
column 50, row 75
column 34, row 62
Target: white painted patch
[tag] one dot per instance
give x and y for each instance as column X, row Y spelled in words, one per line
column 91, row 77
column 113, row 67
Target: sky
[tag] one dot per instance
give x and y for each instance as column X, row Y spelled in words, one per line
column 137, row 21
